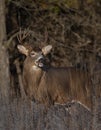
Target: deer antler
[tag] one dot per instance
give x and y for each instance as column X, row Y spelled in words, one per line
column 22, row 34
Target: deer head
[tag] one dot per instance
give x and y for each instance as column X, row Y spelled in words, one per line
column 38, row 58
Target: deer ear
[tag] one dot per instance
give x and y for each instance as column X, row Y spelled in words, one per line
column 46, row 49
column 22, row 49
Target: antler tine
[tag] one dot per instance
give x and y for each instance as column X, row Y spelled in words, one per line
column 26, row 32
column 22, row 34
column 19, row 36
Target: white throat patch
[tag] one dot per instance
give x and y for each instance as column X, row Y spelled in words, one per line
column 34, row 67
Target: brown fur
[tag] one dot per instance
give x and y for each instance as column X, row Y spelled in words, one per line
column 56, row 85
column 61, row 85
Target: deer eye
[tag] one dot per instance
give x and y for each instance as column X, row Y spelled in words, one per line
column 32, row 53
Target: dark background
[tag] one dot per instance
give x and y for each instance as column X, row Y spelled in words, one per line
column 73, row 27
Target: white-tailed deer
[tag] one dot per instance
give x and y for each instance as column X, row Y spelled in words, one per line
column 48, row 84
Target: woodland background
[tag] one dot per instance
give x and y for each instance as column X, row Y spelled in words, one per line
column 73, row 27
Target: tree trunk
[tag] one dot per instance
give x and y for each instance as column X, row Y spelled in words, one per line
column 4, row 63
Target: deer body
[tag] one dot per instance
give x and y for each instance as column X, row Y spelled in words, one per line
column 51, row 85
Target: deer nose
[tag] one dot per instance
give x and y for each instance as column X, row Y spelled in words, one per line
column 40, row 61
